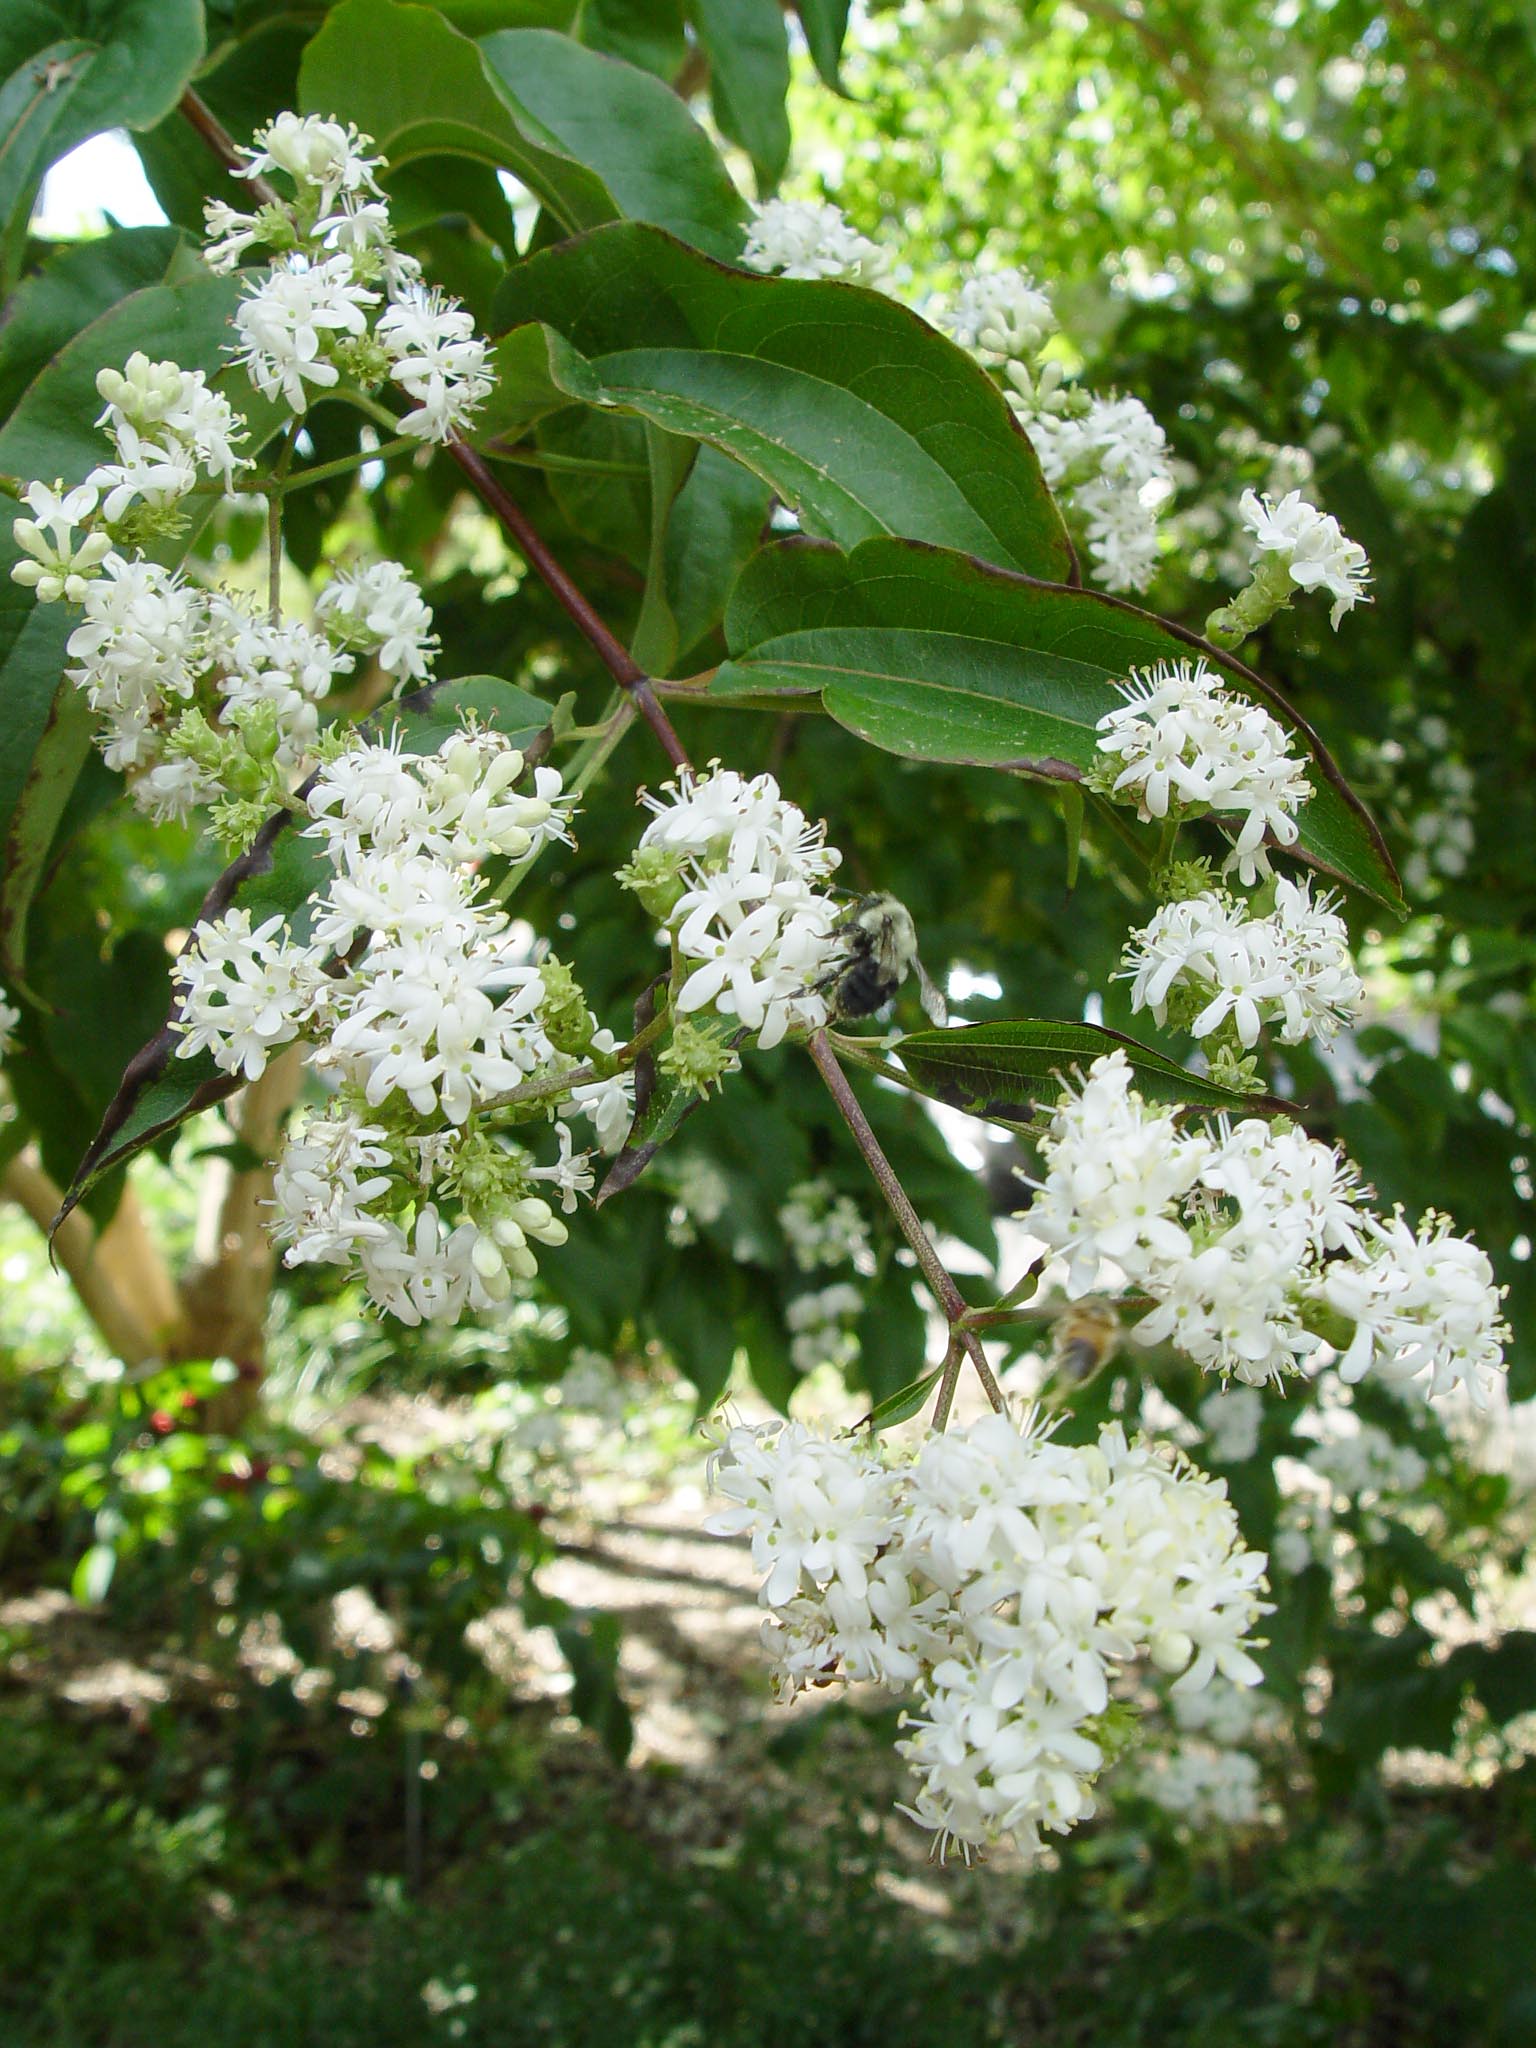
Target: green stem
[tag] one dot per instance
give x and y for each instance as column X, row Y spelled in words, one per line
column 579, row 464
column 275, row 529
column 322, row 472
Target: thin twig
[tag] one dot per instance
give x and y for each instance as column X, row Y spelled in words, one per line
column 953, row 1358
column 616, row 658
column 222, row 143
column 947, row 1294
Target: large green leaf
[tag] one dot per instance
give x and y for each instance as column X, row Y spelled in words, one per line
column 419, row 88
column 857, row 413
column 940, row 658
column 69, row 69
column 45, row 735
column 748, row 48
column 633, row 131
column 79, row 283
column 277, row 877
column 825, row 23
column 1001, row 1071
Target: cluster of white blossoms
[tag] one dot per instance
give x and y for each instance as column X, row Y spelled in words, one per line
column 1311, row 546
column 203, row 700
column 1209, row 964
column 824, row 1228
column 340, row 304
column 1251, row 1245
column 735, row 875
column 1343, row 1489
column 1005, row 1578
column 1204, row 1786
column 820, row 1326
column 1183, row 744
column 418, row 996
column 1293, row 547
column 200, row 699
column 802, row 238
column 1106, row 457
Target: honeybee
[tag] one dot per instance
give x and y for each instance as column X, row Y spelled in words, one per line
column 1084, row 1340
column 879, row 952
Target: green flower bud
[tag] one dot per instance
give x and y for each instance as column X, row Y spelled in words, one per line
column 698, row 1056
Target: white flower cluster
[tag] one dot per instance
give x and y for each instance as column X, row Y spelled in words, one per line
column 1107, row 457
column 1256, row 1244
column 340, row 301
column 419, row 996
column 1310, row 546
column 819, row 1327
column 1354, row 1469
column 1186, row 744
column 152, row 647
column 1218, row 968
column 1231, row 1417
column 1203, row 1786
column 1110, row 459
column 802, row 238
column 202, row 701
column 170, row 433
column 1006, row 1578
column 824, row 1228
column 1002, row 316
column 739, row 869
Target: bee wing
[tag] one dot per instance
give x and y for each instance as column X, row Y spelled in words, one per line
column 932, row 996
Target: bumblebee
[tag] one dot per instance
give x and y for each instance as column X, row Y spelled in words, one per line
column 879, row 943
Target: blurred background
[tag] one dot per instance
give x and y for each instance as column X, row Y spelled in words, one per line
column 366, row 1686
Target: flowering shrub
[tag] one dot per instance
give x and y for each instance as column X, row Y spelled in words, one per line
column 836, row 503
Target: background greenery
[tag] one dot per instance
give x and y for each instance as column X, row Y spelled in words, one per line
column 1302, row 234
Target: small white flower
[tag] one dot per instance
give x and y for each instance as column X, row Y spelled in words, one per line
column 801, row 238
column 437, row 359
column 56, row 566
column 10, row 1017
column 1425, row 1305
column 289, row 320
column 245, row 992
column 1183, row 739
column 1316, row 551
column 323, row 158
column 380, row 610
column 1001, row 315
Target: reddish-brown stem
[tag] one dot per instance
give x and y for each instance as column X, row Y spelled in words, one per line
column 616, row 658
column 947, row 1294
column 222, row 143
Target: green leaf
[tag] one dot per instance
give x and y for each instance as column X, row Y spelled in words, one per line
column 590, row 1643
column 51, row 434
column 936, row 657
column 92, row 1576
column 1502, row 1674
column 748, row 46
column 69, row 69
column 77, row 285
column 717, row 522
column 857, row 413
column 906, row 1402
column 277, row 877
column 650, row 33
column 419, row 88
column 1001, row 1071
column 633, row 131
column 826, row 24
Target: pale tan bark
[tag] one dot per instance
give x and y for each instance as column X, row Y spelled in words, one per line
column 118, row 1273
